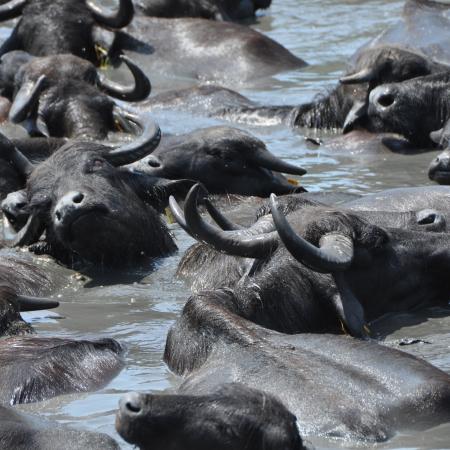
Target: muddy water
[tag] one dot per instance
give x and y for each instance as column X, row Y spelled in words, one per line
column 139, row 310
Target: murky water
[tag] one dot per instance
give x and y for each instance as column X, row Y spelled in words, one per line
column 325, row 33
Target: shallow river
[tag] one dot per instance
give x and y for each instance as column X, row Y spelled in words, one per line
column 325, row 33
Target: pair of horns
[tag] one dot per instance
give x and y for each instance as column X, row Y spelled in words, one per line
column 335, row 253
column 30, row 91
column 119, row 19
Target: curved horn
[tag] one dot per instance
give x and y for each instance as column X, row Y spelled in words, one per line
column 17, row 158
column 177, row 213
column 30, row 233
column 140, row 147
column 119, row 19
column 12, row 9
column 269, row 161
column 25, row 99
column 335, row 253
column 363, row 76
column 29, row 303
column 140, row 91
column 219, row 218
column 235, row 243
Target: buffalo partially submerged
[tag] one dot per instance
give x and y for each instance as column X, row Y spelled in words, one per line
column 51, row 27
column 207, row 9
column 34, row 368
column 339, row 283
column 194, row 48
column 224, row 160
column 26, row 431
column 65, row 96
column 339, row 108
column 232, row 417
column 337, row 386
column 92, row 209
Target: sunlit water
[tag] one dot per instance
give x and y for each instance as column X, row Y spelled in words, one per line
column 325, row 33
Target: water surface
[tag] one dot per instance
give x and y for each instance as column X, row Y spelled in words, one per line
column 325, row 33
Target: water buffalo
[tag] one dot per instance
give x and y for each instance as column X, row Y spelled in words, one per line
column 337, row 284
column 194, row 48
column 207, row 9
column 337, row 386
column 50, row 27
column 225, row 160
column 91, row 208
column 26, row 431
column 413, row 108
column 59, row 94
column 337, row 109
column 232, row 417
column 34, row 369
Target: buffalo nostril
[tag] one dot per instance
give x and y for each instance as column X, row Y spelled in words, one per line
column 78, row 198
column 20, row 205
column 153, row 163
column 58, row 215
column 132, row 406
column 386, row 100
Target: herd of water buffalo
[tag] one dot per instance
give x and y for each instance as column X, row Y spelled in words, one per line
column 274, row 344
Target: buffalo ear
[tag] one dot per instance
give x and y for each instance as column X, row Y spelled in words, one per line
column 442, row 136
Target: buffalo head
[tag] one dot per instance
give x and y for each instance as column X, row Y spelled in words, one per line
column 50, row 27
column 224, row 160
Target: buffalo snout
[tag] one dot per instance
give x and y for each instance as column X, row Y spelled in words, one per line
column 71, row 201
column 439, row 169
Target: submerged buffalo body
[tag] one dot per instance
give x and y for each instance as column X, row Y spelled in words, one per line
column 224, row 160
column 50, row 27
column 34, row 369
column 193, row 48
column 381, row 390
column 25, row 431
column 356, row 257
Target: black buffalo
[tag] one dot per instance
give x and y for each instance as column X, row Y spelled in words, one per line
column 339, row 108
column 413, row 108
column 51, row 27
column 350, row 280
column 232, row 417
column 207, row 9
column 91, row 208
column 337, row 386
column 193, row 48
column 224, row 160
column 65, row 96
column 25, row 431
column 34, row 368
